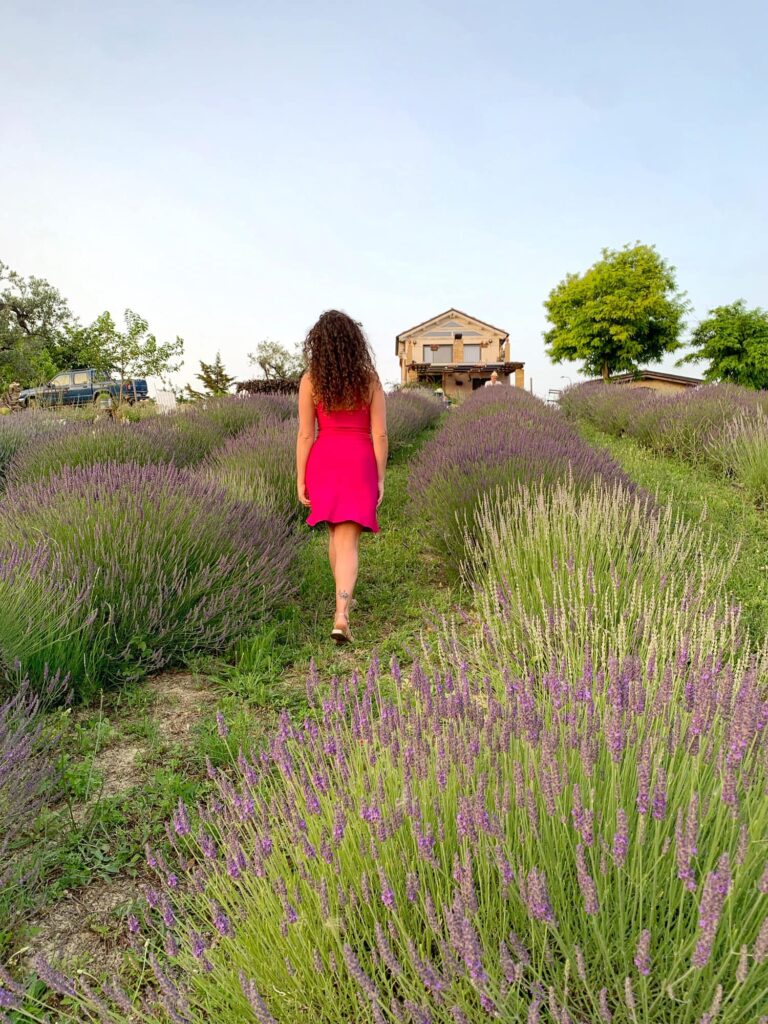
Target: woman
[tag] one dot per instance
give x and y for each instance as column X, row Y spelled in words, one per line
column 340, row 476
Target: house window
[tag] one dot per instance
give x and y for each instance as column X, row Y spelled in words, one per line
column 471, row 353
column 458, row 337
column 441, row 354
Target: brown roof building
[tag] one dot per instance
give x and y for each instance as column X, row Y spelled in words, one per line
column 655, row 380
column 457, row 352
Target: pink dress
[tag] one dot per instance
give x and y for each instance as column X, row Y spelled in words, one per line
column 342, row 477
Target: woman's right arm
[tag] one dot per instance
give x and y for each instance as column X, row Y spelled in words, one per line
column 305, row 437
column 379, row 434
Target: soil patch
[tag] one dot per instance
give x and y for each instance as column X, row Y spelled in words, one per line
column 180, row 700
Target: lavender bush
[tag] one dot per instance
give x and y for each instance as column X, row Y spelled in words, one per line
column 609, row 407
column 141, row 567
column 18, row 432
column 29, row 743
column 684, row 424
column 259, row 465
column 495, row 440
column 182, row 438
column 409, row 412
column 740, row 451
column 559, row 573
column 588, row 850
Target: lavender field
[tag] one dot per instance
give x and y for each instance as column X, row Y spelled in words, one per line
column 535, row 790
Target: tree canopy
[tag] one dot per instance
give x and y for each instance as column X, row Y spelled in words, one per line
column 622, row 312
column 40, row 336
column 34, row 318
column 276, row 362
column 734, row 341
column 214, row 378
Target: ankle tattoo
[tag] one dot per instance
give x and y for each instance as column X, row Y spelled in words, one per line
column 343, row 594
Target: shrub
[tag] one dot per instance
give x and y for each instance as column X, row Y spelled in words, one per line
column 143, row 566
column 409, row 413
column 609, row 407
column 586, row 850
column 85, row 444
column 558, row 573
column 259, row 465
column 182, row 438
column 741, row 451
column 686, row 424
column 18, row 432
column 29, row 774
column 495, row 441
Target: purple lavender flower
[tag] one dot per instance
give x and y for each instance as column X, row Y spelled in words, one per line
column 716, row 888
column 586, row 883
column 643, row 953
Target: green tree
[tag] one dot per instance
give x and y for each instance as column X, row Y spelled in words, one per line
column 214, row 378
column 34, row 318
column 734, row 341
column 136, row 352
column 87, row 346
column 277, row 362
column 623, row 311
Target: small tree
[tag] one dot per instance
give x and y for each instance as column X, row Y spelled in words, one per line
column 276, row 362
column 136, row 352
column 214, row 378
column 624, row 311
column 734, row 340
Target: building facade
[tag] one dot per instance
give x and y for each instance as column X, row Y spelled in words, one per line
column 456, row 352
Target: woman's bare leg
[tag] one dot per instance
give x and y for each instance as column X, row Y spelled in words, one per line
column 332, row 548
column 345, row 541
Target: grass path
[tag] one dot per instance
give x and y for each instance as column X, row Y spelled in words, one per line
column 130, row 760
column 700, row 495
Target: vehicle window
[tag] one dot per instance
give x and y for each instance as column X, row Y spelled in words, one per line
column 80, row 378
column 61, row 381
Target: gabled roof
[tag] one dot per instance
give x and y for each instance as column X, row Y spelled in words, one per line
column 450, row 312
column 669, row 378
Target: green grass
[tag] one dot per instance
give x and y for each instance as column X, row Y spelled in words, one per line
column 701, row 495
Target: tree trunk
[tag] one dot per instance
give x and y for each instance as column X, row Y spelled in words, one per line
column 605, row 371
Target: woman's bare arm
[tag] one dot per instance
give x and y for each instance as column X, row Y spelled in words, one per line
column 379, row 432
column 306, row 435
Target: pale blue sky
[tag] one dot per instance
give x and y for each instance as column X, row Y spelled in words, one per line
column 230, row 170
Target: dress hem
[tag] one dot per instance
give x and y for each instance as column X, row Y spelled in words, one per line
column 346, row 519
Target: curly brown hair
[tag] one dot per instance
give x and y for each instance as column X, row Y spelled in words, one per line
column 339, row 361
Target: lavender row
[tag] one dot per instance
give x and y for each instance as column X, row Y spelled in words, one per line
column 587, row 850
column 498, row 437
column 39, row 445
column 410, row 412
column 720, row 425
column 111, row 571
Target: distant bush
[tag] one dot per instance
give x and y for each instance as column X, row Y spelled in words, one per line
column 721, row 425
column 409, row 413
column 115, row 570
column 20, row 431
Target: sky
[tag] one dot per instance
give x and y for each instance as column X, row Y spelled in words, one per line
column 231, row 170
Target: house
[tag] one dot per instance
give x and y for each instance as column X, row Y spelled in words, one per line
column 457, row 352
column 655, row 380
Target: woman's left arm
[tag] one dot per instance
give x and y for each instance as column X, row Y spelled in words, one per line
column 305, row 438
